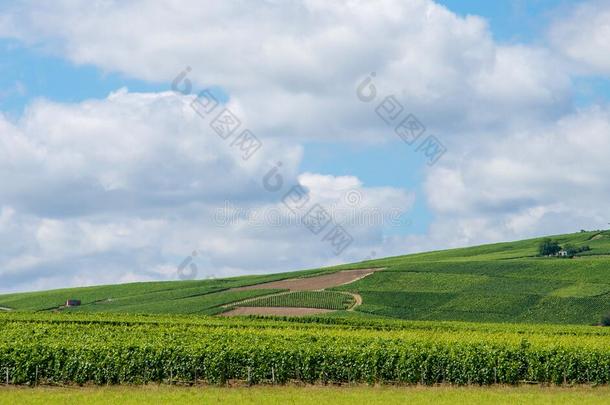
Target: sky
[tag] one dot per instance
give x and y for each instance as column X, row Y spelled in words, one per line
column 170, row 140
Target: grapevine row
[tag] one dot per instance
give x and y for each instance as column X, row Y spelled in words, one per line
column 58, row 352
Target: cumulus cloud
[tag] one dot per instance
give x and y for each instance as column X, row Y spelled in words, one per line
column 122, row 188
column 126, row 186
column 549, row 179
column 296, row 73
column 582, row 34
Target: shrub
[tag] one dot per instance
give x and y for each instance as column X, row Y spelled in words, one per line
column 573, row 250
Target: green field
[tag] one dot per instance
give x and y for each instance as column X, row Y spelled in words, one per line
column 307, row 299
column 502, row 282
column 487, row 315
column 154, row 394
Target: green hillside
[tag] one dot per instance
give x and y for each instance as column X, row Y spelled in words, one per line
column 503, row 282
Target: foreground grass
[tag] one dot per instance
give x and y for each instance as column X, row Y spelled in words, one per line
column 309, row 395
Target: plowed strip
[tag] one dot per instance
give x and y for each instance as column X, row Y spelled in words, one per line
column 313, row 283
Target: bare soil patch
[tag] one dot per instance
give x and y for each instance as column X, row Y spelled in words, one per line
column 313, row 283
column 279, row 311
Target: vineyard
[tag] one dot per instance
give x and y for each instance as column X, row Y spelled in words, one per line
column 163, row 332
column 118, row 349
column 502, row 282
column 306, row 299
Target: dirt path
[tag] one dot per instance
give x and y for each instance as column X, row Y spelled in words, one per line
column 278, row 311
column 358, row 302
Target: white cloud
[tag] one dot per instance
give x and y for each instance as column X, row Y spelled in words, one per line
column 549, row 179
column 123, row 188
column 582, row 34
column 294, row 66
column 126, row 186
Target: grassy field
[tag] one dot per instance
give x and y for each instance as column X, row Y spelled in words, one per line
column 502, row 282
column 307, row 299
column 154, row 394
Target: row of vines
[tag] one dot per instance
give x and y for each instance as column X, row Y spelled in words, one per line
column 59, row 352
column 306, row 299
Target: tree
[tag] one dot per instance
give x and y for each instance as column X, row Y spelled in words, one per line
column 549, row 247
column 606, row 320
column 571, row 250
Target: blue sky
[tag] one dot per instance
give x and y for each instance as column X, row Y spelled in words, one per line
column 481, row 90
column 43, row 75
column 510, row 20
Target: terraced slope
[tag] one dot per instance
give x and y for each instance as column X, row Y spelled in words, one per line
column 503, row 282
